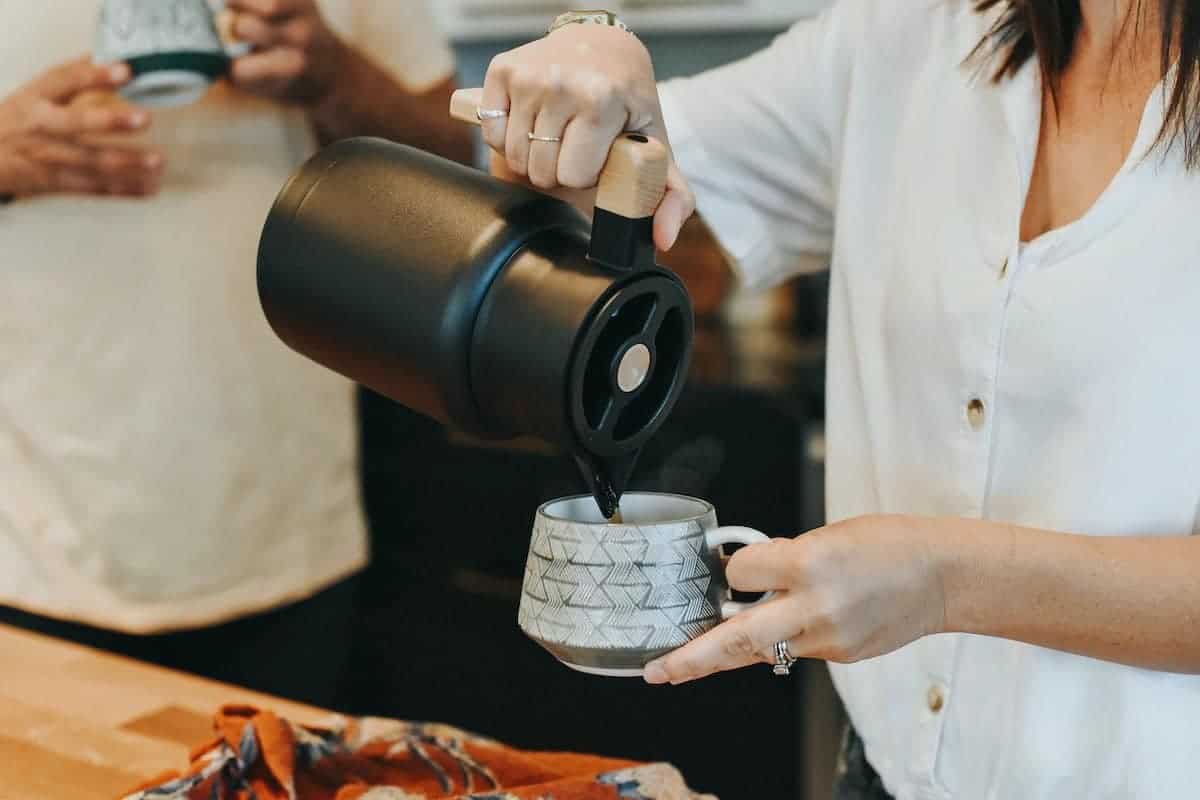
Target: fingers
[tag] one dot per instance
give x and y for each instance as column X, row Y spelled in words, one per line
column 74, row 167
column 495, row 97
column 586, row 113
column 268, row 70
column 262, row 33
column 551, row 123
column 58, row 120
column 585, row 148
column 75, row 180
column 748, row 638
column 270, row 9
column 521, row 116
column 64, row 82
column 676, row 208
column 764, row 567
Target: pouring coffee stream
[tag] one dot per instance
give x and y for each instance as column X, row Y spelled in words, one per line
column 485, row 305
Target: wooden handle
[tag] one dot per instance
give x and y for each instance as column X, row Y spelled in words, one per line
column 464, row 104
column 634, row 178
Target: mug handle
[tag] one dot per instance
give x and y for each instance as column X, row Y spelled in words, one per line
column 734, row 534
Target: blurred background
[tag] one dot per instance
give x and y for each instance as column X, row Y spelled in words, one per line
column 746, row 435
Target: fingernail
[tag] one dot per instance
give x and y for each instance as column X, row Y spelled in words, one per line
column 118, row 72
column 152, row 160
column 138, row 118
column 654, row 673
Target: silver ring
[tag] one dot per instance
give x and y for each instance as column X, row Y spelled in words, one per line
column 783, row 659
column 482, row 114
column 551, row 139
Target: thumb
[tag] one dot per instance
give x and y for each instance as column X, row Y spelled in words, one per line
column 677, row 205
column 63, row 82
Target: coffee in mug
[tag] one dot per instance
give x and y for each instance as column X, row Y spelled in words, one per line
column 173, row 48
column 607, row 598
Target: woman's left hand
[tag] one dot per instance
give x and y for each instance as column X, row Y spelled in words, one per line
column 296, row 58
column 850, row 591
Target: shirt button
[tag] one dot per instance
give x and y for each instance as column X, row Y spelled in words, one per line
column 976, row 413
column 935, row 699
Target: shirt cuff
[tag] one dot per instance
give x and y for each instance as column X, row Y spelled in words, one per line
column 741, row 234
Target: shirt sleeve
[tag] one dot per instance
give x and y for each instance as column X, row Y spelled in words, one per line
column 403, row 37
column 758, row 141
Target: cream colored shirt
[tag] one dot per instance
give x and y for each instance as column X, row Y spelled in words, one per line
column 164, row 460
column 1054, row 387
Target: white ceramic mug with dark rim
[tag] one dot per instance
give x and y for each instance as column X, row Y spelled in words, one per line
column 173, row 48
column 607, row 598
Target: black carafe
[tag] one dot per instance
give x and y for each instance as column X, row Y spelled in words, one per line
column 490, row 307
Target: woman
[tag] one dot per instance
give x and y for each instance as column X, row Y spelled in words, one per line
column 1006, row 193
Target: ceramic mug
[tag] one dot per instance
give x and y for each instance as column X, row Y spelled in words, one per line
column 607, row 598
column 173, row 48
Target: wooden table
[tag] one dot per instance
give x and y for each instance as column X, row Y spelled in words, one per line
column 79, row 724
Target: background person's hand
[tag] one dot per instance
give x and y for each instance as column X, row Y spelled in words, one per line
column 584, row 84
column 49, row 136
column 850, row 591
column 296, row 56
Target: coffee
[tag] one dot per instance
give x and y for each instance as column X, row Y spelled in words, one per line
column 600, row 477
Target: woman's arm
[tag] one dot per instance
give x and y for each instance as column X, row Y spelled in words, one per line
column 866, row 586
column 1130, row 599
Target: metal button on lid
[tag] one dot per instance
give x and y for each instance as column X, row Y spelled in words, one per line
column 633, row 368
column 935, row 699
column 976, row 413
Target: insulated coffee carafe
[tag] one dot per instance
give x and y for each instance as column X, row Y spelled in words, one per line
column 488, row 306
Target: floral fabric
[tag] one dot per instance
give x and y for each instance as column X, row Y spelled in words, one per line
column 260, row 756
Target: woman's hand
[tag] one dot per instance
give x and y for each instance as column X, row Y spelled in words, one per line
column 584, row 84
column 847, row 592
column 48, row 130
column 297, row 58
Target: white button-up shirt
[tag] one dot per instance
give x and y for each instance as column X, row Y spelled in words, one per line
column 1052, row 386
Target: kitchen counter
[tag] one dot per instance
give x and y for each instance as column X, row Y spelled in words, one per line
column 77, row 723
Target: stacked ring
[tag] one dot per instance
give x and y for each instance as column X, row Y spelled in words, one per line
column 783, row 659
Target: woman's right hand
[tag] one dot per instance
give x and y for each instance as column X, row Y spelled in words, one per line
column 44, row 136
column 584, row 84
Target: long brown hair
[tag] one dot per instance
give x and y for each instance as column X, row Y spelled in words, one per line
column 1047, row 29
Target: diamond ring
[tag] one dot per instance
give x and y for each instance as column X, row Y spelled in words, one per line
column 783, row 659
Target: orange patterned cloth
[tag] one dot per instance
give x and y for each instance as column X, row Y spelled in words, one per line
column 260, row 756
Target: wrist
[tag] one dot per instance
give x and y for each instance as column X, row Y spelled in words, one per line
column 337, row 94
column 976, row 570
column 333, row 74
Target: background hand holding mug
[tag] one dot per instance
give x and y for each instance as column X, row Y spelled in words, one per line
column 296, row 57
column 47, row 129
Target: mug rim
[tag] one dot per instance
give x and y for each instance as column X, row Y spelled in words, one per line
column 707, row 508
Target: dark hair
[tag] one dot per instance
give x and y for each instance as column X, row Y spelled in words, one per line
column 1046, row 29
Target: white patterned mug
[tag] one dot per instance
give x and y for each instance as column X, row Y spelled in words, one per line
column 608, row 598
column 173, row 48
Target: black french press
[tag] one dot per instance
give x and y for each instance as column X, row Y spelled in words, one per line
column 485, row 305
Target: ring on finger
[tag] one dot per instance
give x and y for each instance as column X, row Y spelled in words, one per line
column 483, row 114
column 784, row 660
column 550, row 139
